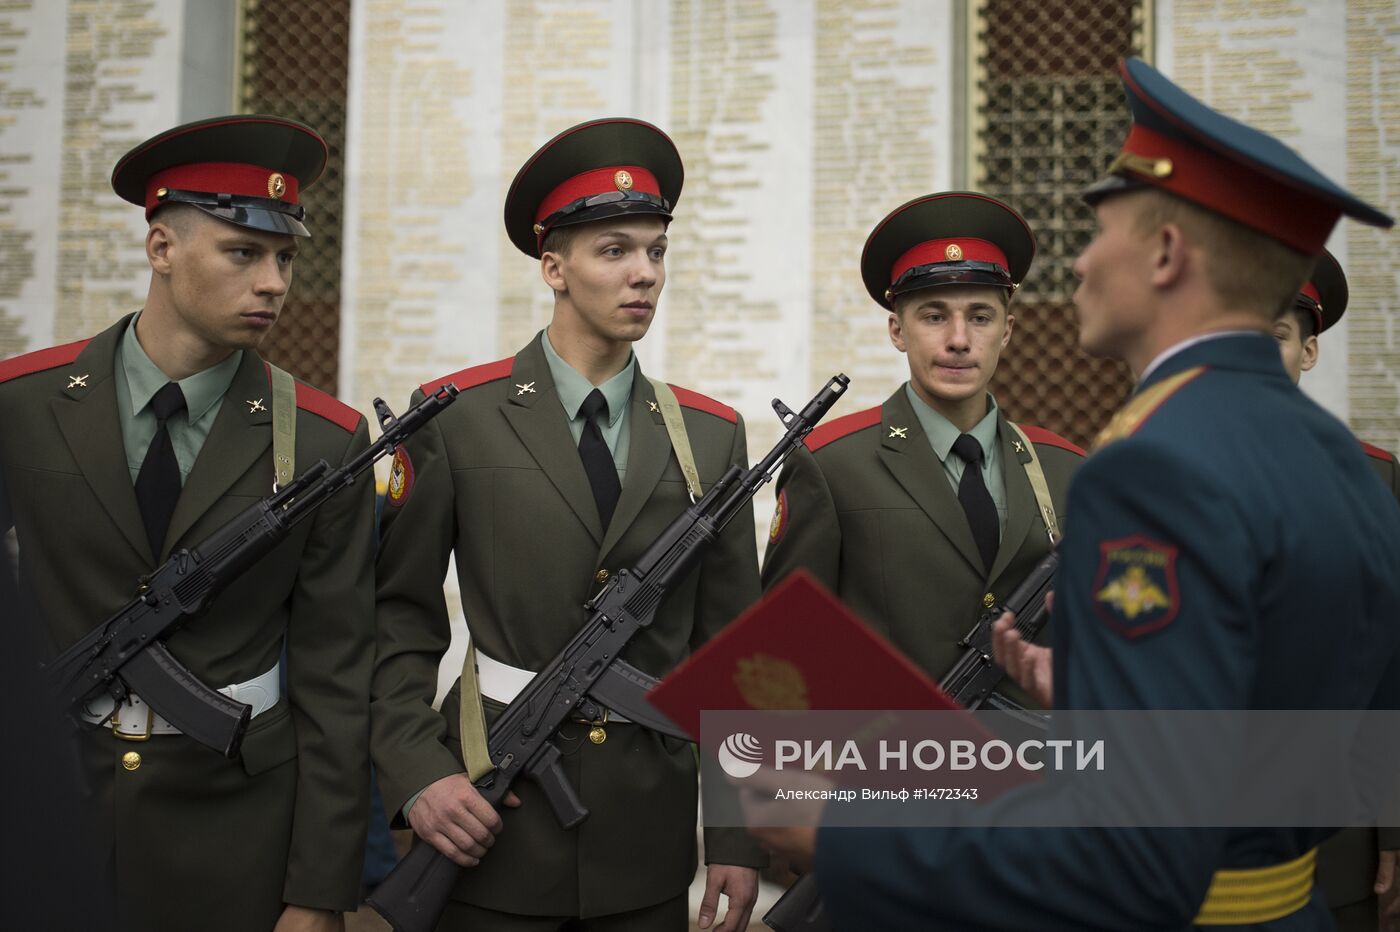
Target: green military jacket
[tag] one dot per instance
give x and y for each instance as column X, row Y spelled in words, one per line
column 867, row 510
column 1346, row 862
column 198, row 841
column 496, row 481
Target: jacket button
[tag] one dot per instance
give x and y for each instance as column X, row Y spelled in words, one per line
column 131, row 760
column 988, row 600
column 601, row 576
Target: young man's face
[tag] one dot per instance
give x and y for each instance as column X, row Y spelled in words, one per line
column 227, row 283
column 953, row 336
column 1299, row 352
column 1114, row 280
column 612, row 274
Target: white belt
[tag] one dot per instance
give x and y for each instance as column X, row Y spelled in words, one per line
column 136, row 719
column 500, row 682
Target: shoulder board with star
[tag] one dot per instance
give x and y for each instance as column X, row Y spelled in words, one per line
column 842, row 427
column 1377, row 453
column 41, row 360
column 472, row 376
column 1136, row 412
column 698, row 402
column 317, row 402
column 1048, row 438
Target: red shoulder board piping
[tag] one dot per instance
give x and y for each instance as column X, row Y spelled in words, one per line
column 825, row 433
column 332, row 409
column 1049, row 438
column 39, row 360
column 1377, row 452
column 472, row 376
column 327, row 406
column 705, row 403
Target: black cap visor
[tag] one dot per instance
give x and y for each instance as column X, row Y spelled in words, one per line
column 952, row 273
column 255, row 213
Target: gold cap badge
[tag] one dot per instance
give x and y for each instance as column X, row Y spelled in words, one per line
column 276, row 185
column 623, row 179
column 953, row 252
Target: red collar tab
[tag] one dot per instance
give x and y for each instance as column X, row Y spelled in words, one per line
column 1260, row 202
column 234, row 178
column 958, row 249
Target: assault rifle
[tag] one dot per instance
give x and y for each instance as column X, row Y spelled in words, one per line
column 971, row 682
column 587, row 673
column 127, row 652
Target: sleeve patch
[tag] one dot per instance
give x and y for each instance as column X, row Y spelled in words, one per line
column 400, row 478
column 1135, row 589
column 779, row 525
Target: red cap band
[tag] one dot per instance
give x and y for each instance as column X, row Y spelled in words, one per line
column 1311, row 292
column 968, row 249
column 222, row 178
column 1316, row 308
column 1276, row 209
column 598, row 181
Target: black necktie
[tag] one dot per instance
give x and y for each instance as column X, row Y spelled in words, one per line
column 158, row 482
column 976, row 500
column 597, row 460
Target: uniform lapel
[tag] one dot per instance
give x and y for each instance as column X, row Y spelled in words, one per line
column 905, row 451
column 1021, row 508
column 86, row 412
column 648, row 451
column 534, row 413
column 239, row 436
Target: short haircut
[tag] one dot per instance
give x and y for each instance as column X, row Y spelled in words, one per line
column 559, row 240
column 1245, row 268
column 179, row 217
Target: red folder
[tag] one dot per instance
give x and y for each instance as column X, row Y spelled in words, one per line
column 799, row 648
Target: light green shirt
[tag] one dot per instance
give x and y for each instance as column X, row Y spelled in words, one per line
column 942, row 434
column 138, row 379
column 573, row 388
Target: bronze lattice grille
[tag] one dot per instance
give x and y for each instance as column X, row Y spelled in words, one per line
column 294, row 61
column 1047, row 115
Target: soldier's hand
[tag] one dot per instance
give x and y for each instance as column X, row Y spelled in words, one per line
column 1029, row 665
column 452, row 816
column 740, row 887
column 305, row 919
column 1388, row 889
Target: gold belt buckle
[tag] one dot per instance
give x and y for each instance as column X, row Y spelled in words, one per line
column 144, row 736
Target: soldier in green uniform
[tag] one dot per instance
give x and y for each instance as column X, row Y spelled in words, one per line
column 922, row 512
column 1320, row 304
column 150, row 436
column 1355, row 865
column 551, row 471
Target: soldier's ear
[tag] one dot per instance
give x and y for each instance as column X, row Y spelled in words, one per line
column 1309, row 352
column 896, row 332
column 552, row 271
column 159, row 239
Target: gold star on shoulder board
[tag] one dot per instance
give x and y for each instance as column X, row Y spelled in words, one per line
column 1018, row 446
column 254, row 405
column 528, row 387
column 901, row 432
column 655, row 408
column 78, row 381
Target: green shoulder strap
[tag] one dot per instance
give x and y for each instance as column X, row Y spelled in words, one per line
column 680, row 440
column 1036, row 474
column 284, row 427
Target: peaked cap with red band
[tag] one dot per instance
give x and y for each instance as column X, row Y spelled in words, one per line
column 953, row 238
column 1182, row 146
column 246, row 169
column 1324, row 295
column 600, row 169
